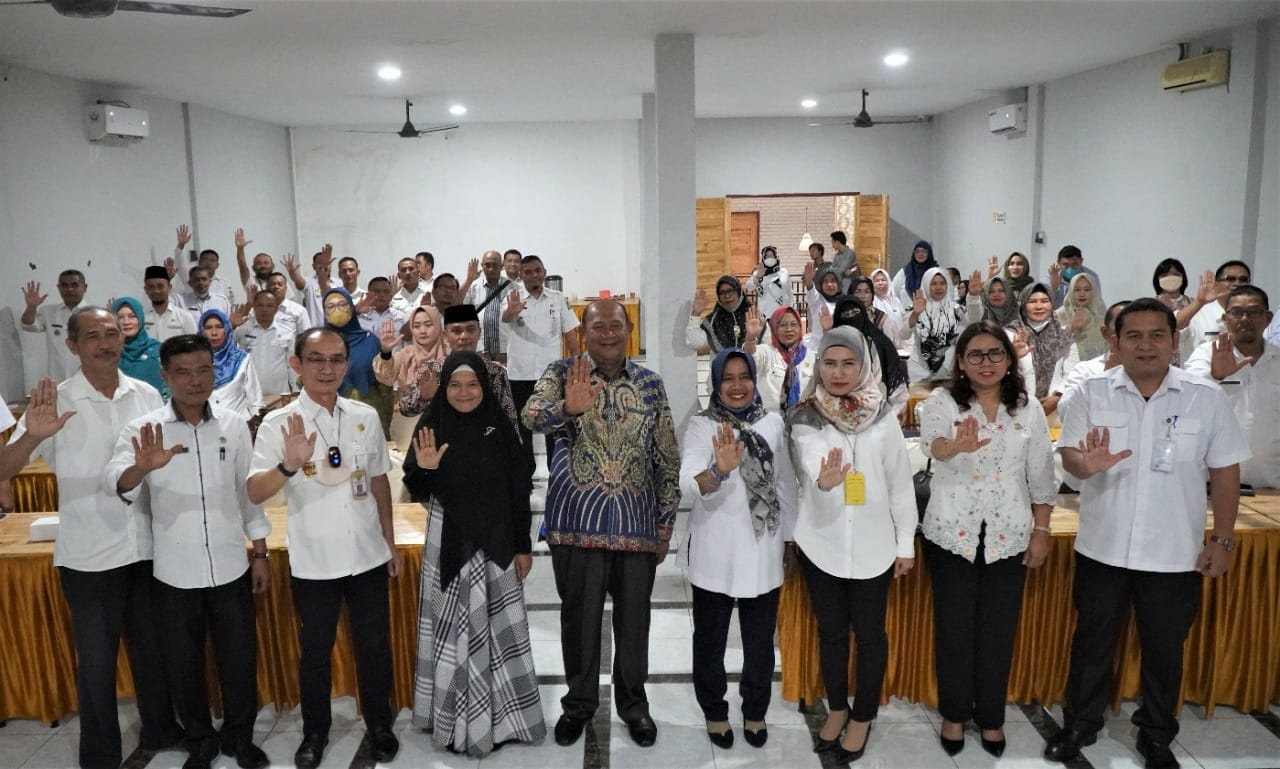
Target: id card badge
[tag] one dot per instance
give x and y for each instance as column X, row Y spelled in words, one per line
column 1162, row 455
column 359, row 484
column 855, row 488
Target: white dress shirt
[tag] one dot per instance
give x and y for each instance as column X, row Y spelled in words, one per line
column 856, row 541
column 995, row 485
column 296, row 313
column 1204, row 325
column 243, row 394
column 269, row 350
column 405, row 300
column 722, row 552
column 1132, row 516
column 772, row 291
column 217, row 286
column 372, row 320
column 6, row 417
column 97, row 531
column 174, row 322
column 52, row 320
column 331, row 533
column 1254, row 395
column 200, row 511
column 537, row 334
column 1273, row 331
column 197, row 305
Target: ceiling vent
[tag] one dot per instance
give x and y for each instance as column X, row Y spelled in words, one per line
column 1198, row 72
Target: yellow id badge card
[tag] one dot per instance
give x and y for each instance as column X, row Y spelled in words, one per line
column 855, row 488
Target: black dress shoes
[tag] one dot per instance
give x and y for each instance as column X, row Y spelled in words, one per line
column 569, row 729
column 845, row 756
column 951, row 747
column 383, row 744
column 1156, row 756
column 994, row 747
column 310, row 751
column 721, row 739
column 247, row 755
column 756, row 739
column 643, row 731
column 1066, row 745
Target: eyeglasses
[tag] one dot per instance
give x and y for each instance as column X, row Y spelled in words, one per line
column 788, row 326
column 335, row 306
column 1252, row 313
column 320, row 360
column 1243, row 279
column 976, row 357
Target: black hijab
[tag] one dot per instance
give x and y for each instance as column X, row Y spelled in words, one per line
column 850, row 312
column 480, row 484
column 723, row 326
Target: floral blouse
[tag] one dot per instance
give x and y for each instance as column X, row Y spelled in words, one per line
column 995, row 485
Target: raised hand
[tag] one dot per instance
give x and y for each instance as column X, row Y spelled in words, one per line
column 755, row 324
column 1079, row 321
column 515, row 305
column 727, row 449
column 184, row 235
column 700, row 302
column 326, row 258
column 1223, row 363
column 918, row 302
column 290, row 263
column 171, row 267
column 298, row 446
column 1208, row 290
column 1022, row 346
column 364, row 305
column 42, row 415
column 388, row 337
column 149, row 452
column 579, row 393
column 425, row 451
column 832, row 469
column 993, row 267
column 966, row 440
column 240, row 314
column 428, row 384
column 1055, row 276
column 975, row 283
column 809, row 271
column 1095, row 453
column 394, row 280
column 824, row 318
column 473, row 270
column 240, row 239
column 32, row 296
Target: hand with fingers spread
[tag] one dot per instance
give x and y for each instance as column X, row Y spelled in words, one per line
column 918, row 302
column 241, row 242
column 32, row 296
column 1223, row 362
column 184, row 235
column 149, row 452
column 1095, row 453
column 993, row 267
column 755, row 324
column 1055, row 276
column 515, row 306
column 394, row 280
column 425, row 451
column 1079, row 321
column 364, row 305
column 1022, row 346
column 824, row 318
column 579, row 393
column 42, row 416
column 473, row 270
column 388, row 337
column 428, row 384
column 290, row 263
column 239, row 314
column 325, row 259
column 298, row 446
column 171, row 267
column 966, row 440
column 975, row 284
column 832, row 470
column 810, row 270
column 727, row 449
column 700, row 303
column 1208, row 290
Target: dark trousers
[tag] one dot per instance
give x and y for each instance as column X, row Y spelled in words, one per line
column 757, row 619
column 584, row 576
column 317, row 602
column 103, row 605
column 975, row 618
column 841, row 605
column 520, row 392
column 1164, row 606
column 186, row 617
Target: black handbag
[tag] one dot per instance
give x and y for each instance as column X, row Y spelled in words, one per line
column 921, row 481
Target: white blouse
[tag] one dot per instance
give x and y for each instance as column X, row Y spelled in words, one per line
column 771, row 371
column 855, row 541
column 243, row 394
column 995, row 485
column 722, row 552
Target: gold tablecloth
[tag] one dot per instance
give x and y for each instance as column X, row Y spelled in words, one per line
column 37, row 670
column 1231, row 657
column 35, row 488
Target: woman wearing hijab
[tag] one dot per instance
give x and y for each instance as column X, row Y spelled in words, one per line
column 886, row 301
column 863, row 289
column 475, row 688
column 770, row 282
column 1081, row 314
column 987, row 521
column 993, row 301
column 1016, row 274
column 426, row 344
column 1049, row 341
column 362, row 346
column 737, row 469
column 855, row 528
column 911, row 277
column 235, row 384
column 893, row 372
column 784, row 364
column 822, row 290
column 726, row 324
column 140, row 357
column 936, row 321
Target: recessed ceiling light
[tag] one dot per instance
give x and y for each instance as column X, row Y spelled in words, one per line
column 457, row 109
column 809, row 103
column 389, row 72
column 896, row 59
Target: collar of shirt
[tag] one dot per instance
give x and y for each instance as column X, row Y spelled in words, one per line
column 629, row 370
column 78, row 388
column 1120, row 379
column 173, row 416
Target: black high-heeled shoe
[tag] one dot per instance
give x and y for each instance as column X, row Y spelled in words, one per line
column 822, row 745
column 756, row 739
column 994, row 747
column 723, row 740
column 845, row 756
column 952, row 747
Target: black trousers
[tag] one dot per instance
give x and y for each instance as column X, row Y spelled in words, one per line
column 186, row 617
column 521, row 390
column 757, row 619
column 318, row 602
column 105, row 604
column 841, row 605
column 975, row 618
column 1164, row 605
column 584, row 576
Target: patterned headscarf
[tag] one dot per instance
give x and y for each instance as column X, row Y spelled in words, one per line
column 793, row 354
column 227, row 358
column 756, row 465
column 861, row 406
column 1005, row 315
column 726, row 326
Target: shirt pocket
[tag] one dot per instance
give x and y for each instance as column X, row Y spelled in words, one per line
column 1186, row 438
column 1117, row 426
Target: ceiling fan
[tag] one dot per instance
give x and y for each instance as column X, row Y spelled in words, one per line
column 863, row 118
column 408, row 130
column 93, row 9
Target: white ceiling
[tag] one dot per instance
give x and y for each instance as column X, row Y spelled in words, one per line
column 312, row 62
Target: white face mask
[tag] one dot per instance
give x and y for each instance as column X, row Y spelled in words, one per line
column 1170, row 282
column 770, row 262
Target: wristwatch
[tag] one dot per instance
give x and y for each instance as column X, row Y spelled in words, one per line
column 1228, row 543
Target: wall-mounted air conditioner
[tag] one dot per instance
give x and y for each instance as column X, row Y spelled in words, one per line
column 112, row 124
column 1197, row 72
column 1011, row 118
